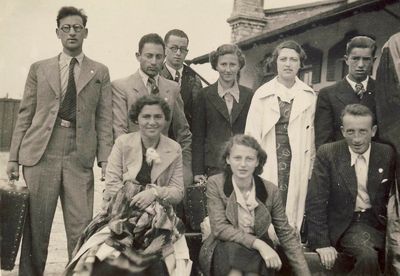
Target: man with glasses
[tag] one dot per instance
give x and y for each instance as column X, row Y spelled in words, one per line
column 145, row 81
column 64, row 122
column 176, row 42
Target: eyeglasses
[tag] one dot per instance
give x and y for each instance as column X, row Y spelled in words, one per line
column 175, row 49
column 67, row 28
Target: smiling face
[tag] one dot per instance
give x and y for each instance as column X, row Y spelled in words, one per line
column 72, row 41
column 358, row 131
column 151, row 58
column 243, row 161
column 228, row 68
column 151, row 121
column 359, row 61
column 288, row 64
column 175, row 59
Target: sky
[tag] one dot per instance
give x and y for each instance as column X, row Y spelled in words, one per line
column 27, row 32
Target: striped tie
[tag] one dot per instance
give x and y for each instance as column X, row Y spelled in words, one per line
column 153, row 86
column 360, row 90
column 177, row 76
column 68, row 106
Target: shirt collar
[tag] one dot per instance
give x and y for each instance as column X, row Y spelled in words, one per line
column 145, row 77
column 251, row 202
column 234, row 90
column 173, row 70
column 66, row 59
column 353, row 83
column 355, row 155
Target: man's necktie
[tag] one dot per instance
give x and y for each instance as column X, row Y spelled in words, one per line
column 153, row 86
column 362, row 201
column 229, row 101
column 177, row 76
column 360, row 90
column 68, row 106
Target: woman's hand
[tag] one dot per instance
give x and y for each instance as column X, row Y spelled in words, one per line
column 143, row 199
column 269, row 255
column 199, row 178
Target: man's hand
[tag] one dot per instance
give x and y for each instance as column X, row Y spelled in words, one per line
column 269, row 255
column 13, row 170
column 143, row 199
column 103, row 170
column 328, row 256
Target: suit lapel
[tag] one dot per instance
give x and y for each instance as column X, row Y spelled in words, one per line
column 164, row 89
column 374, row 172
column 345, row 93
column 134, row 148
column 166, row 73
column 347, row 171
column 52, row 73
column 231, row 211
column 88, row 71
column 300, row 104
column 237, row 107
column 218, row 102
column 138, row 85
column 167, row 157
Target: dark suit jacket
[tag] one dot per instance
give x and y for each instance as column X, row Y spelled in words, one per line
column 190, row 87
column 41, row 102
column 223, row 213
column 126, row 91
column 330, row 103
column 212, row 126
column 332, row 190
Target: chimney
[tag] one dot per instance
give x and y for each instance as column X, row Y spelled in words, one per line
column 247, row 19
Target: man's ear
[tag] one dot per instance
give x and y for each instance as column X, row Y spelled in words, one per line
column 346, row 59
column 58, row 32
column 137, row 54
column 342, row 130
column 87, row 32
column 374, row 129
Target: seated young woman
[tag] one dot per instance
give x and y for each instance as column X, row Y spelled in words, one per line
column 241, row 207
column 138, row 233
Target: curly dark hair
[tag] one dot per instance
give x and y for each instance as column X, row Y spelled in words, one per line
column 137, row 107
column 248, row 141
column 224, row 50
column 151, row 38
column 68, row 11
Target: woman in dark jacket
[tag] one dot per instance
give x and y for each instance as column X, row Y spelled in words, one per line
column 241, row 207
column 220, row 111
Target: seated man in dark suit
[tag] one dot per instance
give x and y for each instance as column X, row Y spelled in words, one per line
column 348, row 194
column 356, row 87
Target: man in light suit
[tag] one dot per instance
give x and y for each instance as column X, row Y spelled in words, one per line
column 64, row 121
column 356, row 87
column 348, row 195
column 147, row 81
column 176, row 48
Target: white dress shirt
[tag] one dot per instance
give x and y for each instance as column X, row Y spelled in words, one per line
column 63, row 62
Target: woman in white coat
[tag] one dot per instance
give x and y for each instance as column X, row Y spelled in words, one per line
column 281, row 118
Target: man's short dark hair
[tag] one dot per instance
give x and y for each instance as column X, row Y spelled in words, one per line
column 137, row 107
column 361, row 42
column 151, row 38
column 357, row 110
column 175, row 32
column 69, row 11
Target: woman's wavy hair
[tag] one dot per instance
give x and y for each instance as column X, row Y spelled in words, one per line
column 224, row 50
column 288, row 44
column 137, row 107
column 248, row 141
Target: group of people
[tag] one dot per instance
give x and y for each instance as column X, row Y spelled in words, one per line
column 156, row 131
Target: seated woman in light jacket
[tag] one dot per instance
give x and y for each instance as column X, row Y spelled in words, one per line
column 281, row 118
column 137, row 233
column 241, row 207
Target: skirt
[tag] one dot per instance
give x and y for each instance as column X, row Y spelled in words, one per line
column 230, row 255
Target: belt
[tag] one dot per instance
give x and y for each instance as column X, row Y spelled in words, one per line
column 362, row 214
column 64, row 123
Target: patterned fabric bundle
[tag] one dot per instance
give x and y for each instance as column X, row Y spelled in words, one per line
column 136, row 239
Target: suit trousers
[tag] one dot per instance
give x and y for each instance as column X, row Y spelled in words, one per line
column 59, row 173
column 365, row 243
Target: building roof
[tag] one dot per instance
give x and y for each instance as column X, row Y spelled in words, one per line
column 324, row 18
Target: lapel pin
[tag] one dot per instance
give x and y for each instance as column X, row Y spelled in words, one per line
column 380, row 170
column 92, row 71
column 369, row 93
column 166, row 99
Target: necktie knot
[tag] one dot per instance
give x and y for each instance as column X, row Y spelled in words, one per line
column 153, row 86
column 360, row 90
column 73, row 62
column 177, row 76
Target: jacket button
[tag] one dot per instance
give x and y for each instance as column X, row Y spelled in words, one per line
column 53, row 112
column 49, row 128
